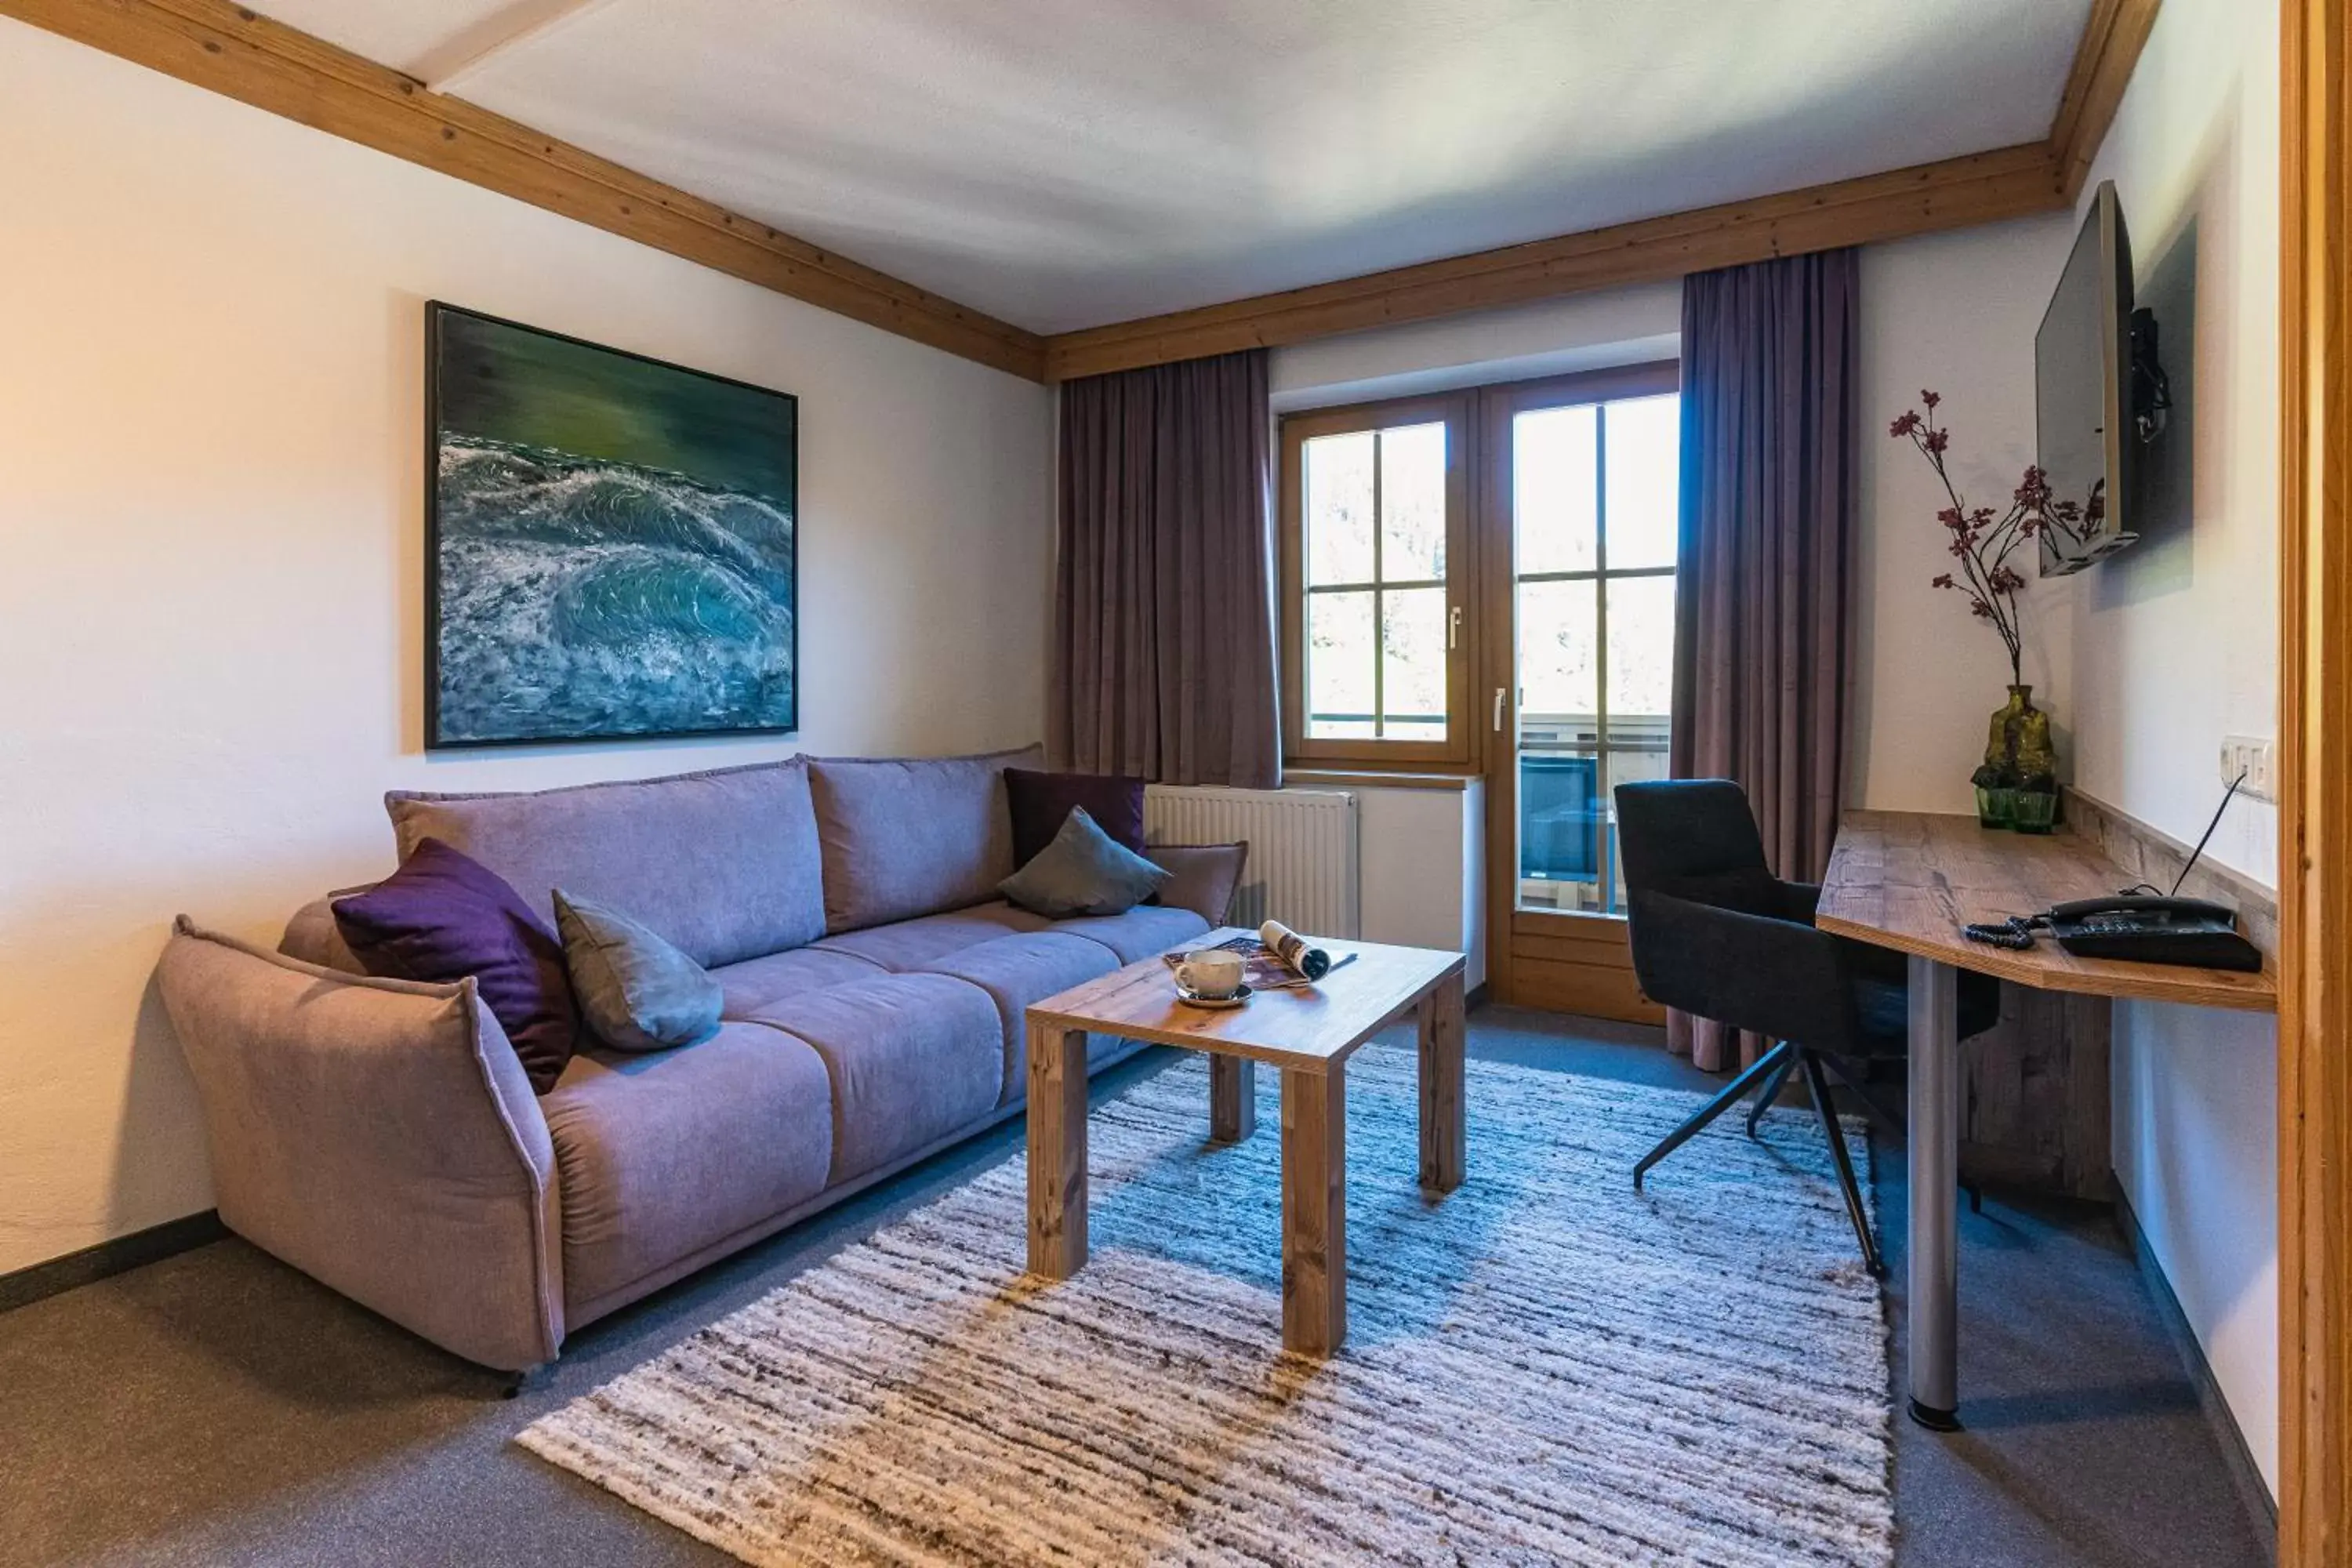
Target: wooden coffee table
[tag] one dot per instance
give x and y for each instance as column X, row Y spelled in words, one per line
column 1309, row 1034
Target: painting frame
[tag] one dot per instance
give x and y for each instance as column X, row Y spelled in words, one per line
column 438, row 317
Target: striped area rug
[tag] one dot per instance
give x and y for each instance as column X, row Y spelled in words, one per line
column 1544, row 1367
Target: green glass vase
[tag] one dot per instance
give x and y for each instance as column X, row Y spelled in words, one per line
column 2017, row 742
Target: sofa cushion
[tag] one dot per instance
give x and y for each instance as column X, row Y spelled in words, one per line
column 1040, row 802
column 915, row 944
column 444, row 918
column 1016, row 971
column 1142, row 931
column 637, row 992
column 748, row 986
column 913, row 1059
column 1083, row 872
column 1201, row 877
column 723, row 864
column 909, row 837
column 664, row 1154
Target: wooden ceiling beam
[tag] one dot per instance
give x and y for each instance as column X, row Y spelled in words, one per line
column 243, row 55
column 2112, row 39
column 1984, row 187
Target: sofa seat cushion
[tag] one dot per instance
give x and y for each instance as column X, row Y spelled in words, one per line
column 913, row 1059
column 1143, row 930
column 922, row 942
column 748, row 986
column 725, row 865
column 1016, row 971
column 665, row 1154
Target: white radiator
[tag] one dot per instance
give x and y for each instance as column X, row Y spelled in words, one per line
column 1302, row 849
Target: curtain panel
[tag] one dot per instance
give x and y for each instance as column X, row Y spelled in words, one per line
column 1771, row 426
column 1163, row 623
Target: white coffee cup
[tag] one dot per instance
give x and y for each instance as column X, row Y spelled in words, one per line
column 1211, row 973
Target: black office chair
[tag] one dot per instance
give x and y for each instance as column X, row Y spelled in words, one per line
column 1717, row 935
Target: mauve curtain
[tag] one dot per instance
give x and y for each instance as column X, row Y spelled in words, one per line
column 1770, row 423
column 1163, row 625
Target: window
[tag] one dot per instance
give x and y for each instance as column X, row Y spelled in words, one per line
column 1375, row 574
column 1594, row 491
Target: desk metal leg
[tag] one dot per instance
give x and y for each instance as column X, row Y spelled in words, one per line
column 1935, row 1184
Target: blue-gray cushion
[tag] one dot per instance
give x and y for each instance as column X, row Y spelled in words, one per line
column 638, row 992
column 1083, row 872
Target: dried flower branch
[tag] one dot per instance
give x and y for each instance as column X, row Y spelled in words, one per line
column 1983, row 540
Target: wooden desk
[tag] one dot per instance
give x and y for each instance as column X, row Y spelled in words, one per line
column 1910, row 881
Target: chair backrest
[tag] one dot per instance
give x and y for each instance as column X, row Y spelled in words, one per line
column 1696, row 839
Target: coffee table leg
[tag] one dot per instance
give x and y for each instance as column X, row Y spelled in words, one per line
column 1313, row 1211
column 1057, row 1151
column 1233, row 1099
column 1444, row 1122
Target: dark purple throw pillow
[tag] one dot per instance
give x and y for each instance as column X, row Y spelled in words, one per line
column 1042, row 802
column 443, row 916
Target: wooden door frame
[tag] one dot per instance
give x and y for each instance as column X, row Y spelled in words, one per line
column 1498, row 644
column 2315, row 783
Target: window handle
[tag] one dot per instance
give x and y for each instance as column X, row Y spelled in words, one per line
column 1498, row 708
column 1454, row 628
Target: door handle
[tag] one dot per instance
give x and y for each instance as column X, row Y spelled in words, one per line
column 1499, row 692
column 1454, row 628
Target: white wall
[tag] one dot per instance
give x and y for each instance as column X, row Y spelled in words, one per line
column 211, row 326
column 2175, row 644
column 1953, row 314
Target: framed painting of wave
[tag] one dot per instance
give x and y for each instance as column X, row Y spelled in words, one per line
column 610, row 543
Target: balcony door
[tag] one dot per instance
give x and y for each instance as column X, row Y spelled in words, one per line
column 1578, row 533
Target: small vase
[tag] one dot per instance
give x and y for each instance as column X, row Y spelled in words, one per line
column 2033, row 810
column 1996, row 807
column 2017, row 742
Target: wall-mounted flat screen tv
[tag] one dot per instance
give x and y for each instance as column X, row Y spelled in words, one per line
column 2099, row 394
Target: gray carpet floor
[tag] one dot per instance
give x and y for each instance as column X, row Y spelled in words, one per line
column 218, row 1407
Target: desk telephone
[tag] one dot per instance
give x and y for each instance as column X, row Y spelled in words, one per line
column 2139, row 927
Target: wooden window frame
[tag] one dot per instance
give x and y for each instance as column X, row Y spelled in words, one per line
column 1459, row 749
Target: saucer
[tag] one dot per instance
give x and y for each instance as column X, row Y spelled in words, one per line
column 1220, row 1004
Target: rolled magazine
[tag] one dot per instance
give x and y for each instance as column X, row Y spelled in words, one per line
column 1309, row 963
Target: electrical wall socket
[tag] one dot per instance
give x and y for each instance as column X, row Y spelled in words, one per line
column 2246, row 754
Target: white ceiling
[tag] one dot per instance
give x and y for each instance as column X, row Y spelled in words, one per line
column 1061, row 163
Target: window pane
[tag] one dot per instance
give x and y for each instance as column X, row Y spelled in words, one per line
column 1644, row 480
column 1558, row 653
column 1339, row 654
column 1338, row 507
column 1641, row 648
column 1639, row 765
column 1413, row 503
column 1555, row 485
column 1561, row 815
column 1413, row 689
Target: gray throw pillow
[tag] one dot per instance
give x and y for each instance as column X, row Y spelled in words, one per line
column 638, row 992
column 1083, row 872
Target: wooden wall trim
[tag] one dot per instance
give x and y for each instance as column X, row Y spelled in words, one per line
column 1957, row 193
column 2315, row 784
column 243, row 55
column 2112, row 39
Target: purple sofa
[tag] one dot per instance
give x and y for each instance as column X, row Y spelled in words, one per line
column 380, row 1135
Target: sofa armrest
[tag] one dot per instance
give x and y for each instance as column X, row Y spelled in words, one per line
column 1202, row 877
column 380, row 1136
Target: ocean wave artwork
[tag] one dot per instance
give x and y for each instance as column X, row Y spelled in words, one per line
column 614, row 546
column 584, row 596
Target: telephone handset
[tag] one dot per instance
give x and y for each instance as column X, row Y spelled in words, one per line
column 2144, row 910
